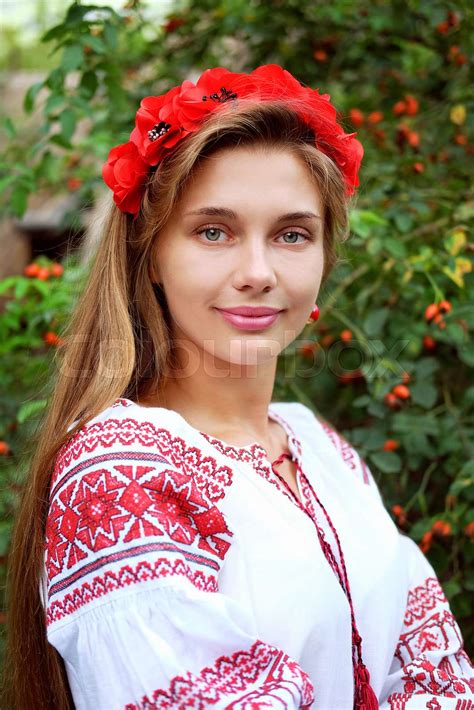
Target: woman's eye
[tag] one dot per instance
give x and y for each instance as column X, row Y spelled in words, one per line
column 295, row 234
column 212, row 233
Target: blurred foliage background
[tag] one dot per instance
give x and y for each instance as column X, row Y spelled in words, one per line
column 390, row 361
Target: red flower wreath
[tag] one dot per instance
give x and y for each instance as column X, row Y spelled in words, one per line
column 163, row 121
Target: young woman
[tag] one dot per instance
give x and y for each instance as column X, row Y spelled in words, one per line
column 185, row 541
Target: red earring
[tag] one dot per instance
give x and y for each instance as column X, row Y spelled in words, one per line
column 314, row 315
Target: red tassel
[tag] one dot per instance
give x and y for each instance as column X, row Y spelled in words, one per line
column 365, row 698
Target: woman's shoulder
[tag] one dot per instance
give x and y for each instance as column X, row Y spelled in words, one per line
column 122, row 427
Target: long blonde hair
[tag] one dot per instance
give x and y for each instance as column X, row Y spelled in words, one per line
column 118, row 345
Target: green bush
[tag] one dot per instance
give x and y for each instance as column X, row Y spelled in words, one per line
column 389, row 362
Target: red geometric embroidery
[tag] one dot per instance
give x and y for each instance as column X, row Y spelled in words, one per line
column 435, row 633
column 107, row 507
column 99, row 509
column 211, row 478
column 144, row 571
column 422, row 599
column 429, row 626
column 285, row 684
column 398, row 701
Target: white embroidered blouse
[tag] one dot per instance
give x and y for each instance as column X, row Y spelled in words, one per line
column 182, row 572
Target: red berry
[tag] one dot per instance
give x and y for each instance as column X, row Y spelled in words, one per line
column 429, row 343
column 392, row 401
column 320, row 55
column 411, row 105
column 4, row 448
column 375, row 117
column 308, row 350
column 441, row 528
column 445, row 306
column 31, row 270
column 426, row 540
column 346, row 335
column 56, row 270
column 399, row 108
column 401, row 391
column 51, row 338
column 390, row 445
column 356, row 116
column 469, row 530
column 327, row 340
column 413, row 139
column 431, row 311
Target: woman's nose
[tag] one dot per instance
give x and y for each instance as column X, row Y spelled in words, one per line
column 254, row 266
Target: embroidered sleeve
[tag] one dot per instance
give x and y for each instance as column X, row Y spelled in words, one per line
column 135, row 542
column 430, row 668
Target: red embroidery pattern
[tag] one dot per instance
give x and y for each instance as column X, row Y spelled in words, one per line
column 422, row 599
column 144, row 571
column 286, row 685
column 257, row 457
column 430, row 626
column 399, row 701
column 117, row 505
column 355, row 462
column 130, row 432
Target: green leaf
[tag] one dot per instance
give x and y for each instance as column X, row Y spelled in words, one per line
column 406, row 422
column 19, row 200
column 21, row 288
column 375, row 321
column 28, row 409
column 403, row 221
column 425, row 367
column 30, row 96
column 386, row 461
column 89, row 83
column 95, row 43
column 362, row 222
column 110, row 35
column 53, row 102
column 468, row 470
column 424, row 393
column 8, row 283
column 361, row 401
column 58, row 139
column 395, row 248
column 466, row 354
column 76, row 12
column 55, row 80
column 374, row 246
column 72, row 57
column 67, row 119
column 8, row 127
column 53, row 33
column 6, row 181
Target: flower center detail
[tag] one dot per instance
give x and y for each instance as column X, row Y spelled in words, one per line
column 158, row 130
column 224, row 96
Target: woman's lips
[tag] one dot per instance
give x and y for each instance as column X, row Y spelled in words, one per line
column 249, row 322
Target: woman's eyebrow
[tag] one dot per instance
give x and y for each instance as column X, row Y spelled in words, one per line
column 230, row 214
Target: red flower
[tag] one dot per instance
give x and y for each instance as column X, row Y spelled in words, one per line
column 125, row 173
column 163, row 121
column 156, row 113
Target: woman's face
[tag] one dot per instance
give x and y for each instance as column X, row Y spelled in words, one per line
column 238, row 237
